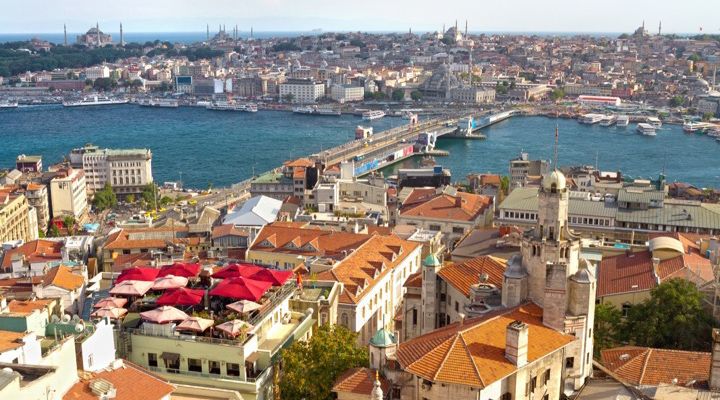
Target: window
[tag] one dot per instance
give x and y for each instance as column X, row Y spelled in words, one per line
column 233, row 369
column 459, row 230
column 152, row 360
column 434, row 227
column 533, row 383
column 457, row 307
column 194, row 365
column 414, row 316
column 626, row 309
column 546, row 397
column 344, row 320
column 506, row 396
column 570, row 362
column 546, row 377
column 214, row 367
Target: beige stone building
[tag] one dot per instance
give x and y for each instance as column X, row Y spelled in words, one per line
column 68, row 193
column 14, row 217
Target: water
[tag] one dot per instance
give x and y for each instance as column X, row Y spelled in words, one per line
column 223, row 147
column 691, row 158
column 199, row 145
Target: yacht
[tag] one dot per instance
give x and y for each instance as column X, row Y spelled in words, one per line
column 690, row 126
column 8, row 104
column 94, row 101
column 646, row 129
column 714, row 132
column 591, row 119
column 623, row 120
column 655, row 122
column 371, row 115
column 608, row 121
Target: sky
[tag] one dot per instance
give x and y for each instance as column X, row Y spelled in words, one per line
column 677, row 16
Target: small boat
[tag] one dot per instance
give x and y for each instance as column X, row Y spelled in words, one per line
column 646, row 129
column 623, row 121
column 327, row 111
column 690, row 126
column 9, row 104
column 94, row 101
column 231, row 106
column 591, row 119
column 371, row 115
column 655, row 122
column 251, row 107
column 608, row 121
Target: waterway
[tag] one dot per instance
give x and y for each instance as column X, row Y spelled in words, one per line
column 202, row 147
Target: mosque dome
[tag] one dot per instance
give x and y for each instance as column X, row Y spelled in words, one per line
column 431, row 261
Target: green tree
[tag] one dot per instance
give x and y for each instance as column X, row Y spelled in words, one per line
column 416, row 95
column 130, row 198
column 677, row 101
column 310, row 368
column 288, row 98
column 673, row 318
column 557, row 94
column 608, row 321
column 104, row 199
column 398, row 95
column 69, row 222
column 54, row 231
column 505, row 184
column 708, row 116
column 148, row 195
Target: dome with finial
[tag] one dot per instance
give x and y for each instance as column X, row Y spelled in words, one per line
column 383, row 338
column 556, row 179
column 515, row 268
column 431, row 261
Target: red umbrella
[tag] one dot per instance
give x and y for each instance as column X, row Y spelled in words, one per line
column 180, row 269
column 234, row 327
column 170, row 282
column 236, row 270
column 138, row 274
column 131, row 288
column 181, row 297
column 241, row 288
column 277, row 278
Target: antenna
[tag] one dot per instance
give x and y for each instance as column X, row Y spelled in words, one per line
column 557, row 134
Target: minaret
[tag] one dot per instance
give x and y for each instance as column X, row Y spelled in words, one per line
column 65, row 33
column 466, row 29
column 251, row 32
column 377, row 393
column 207, row 27
column 97, row 26
column 122, row 38
column 660, row 29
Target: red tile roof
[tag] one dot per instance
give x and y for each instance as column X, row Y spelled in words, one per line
column 461, row 207
column 229, row 230
column 642, row 366
column 465, row 274
column 359, row 381
column 473, row 354
column 10, row 340
column 63, row 277
column 130, row 382
column 36, row 251
column 291, row 239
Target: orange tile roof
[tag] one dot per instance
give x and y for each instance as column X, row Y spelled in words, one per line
column 291, row 239
column 414, row 280
column 645, row 366
column 26, row 307
column 131, row 383
column 465, row 274
column 359, row 381
column 10, row 340
column 462, row 207
column 35, row 251
column 121, row 240
column 228, row 230
column 368, row 264
column 63, row 277
column 300, row 162
column 473, row 354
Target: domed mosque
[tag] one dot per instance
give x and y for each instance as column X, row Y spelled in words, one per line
column 440, row 82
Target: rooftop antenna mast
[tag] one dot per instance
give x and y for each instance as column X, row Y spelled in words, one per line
column 555, row 156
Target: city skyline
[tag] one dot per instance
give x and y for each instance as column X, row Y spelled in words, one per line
column 283, row 15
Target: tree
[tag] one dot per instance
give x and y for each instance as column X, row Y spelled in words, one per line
column 416, row 95
column 309, row 369
column 557, row 94
column 288, row 98
column 505, row 184
column 398, row 95
column 677, row 101
column 54, row 231
column 105, row 198
column 708, row 116
column 148, row 194
column 673, row 318
column 130, row 198
column 607, row 325
column 69, row 222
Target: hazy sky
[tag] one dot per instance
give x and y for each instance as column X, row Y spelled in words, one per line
column 687, row 16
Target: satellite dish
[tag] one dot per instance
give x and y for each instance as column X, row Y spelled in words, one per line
column 65, row 318
column 80, row 327
column 54, row 319
column 76, row 318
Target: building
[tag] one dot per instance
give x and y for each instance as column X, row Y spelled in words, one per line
column 123, row 381
column 68, row 194
column 15, row 217
column 599, row 100
column 296, row 178
column 301, row 91
column 229, row 241
column 63, row 283
column 275, row 185
column 522, row 170
column 255, row 213
column 446, row 210
column 37, row 197
column 94, row 37
column 96, row 72
column 25, row 163
column 347, row 93
column 127, row 171
column 471, row 95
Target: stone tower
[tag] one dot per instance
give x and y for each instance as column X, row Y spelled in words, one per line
column 382, row 344
column 431, row 266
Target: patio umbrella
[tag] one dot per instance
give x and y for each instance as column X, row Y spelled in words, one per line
column 244, row 306
column 170, row 282
column 234, row 327
column 114, row 302
column 241, row 288
column 138, row 274
column 180, row 269
column 195, row 324
column 110, row 312
column 163, row 315
column 181, row 297
column 131, row 288
column 277, row 278
column 236, row 270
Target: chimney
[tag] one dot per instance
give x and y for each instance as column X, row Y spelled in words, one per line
column 516, row 343
column 715, row 361
column 458, row 201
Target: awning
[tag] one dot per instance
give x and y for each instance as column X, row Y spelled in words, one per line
column 173, row 357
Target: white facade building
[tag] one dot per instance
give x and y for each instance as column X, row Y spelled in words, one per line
column 68, row 192
column 302, row 90
column 101, row 71
column 347, row 93
column 127, row 170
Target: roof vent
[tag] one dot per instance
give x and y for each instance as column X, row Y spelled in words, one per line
column 624, row 357
column 103, row 389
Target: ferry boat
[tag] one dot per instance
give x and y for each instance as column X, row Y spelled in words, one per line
column 94, row 101
column 371, row 115
column 303, row 110
column 328, row 111
column 231, row 106
column 161, row 103
column 691, row 126
column 655, row 122
column 591, row 119
column 608, row 121
column 251, row 107
column 623, row 120
column 8, row 104
column 646, row 129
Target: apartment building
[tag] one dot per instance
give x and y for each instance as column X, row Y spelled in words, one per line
column 15, row 217
column 68, row 193
column 126, row 170
column 347, row 93
column 301, row 91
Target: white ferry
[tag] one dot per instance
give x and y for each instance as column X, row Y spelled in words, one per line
column 655, row 122
column 304, row 110
column 690, row 126
column 591, row 119
column 608, row 121
column 8, row 104
column 162, row 103
column 251, row 107
column 623, row 120
column 328, row 111
column 646, row 129
column 94, row 101
column 371, row 115
column 231, row 106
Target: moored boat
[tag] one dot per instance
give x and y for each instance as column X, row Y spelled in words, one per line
column 9, row 104
column 371, row 115
column 646, row 129
column 591, row 119
column 655, row 122
column 608, row 121
column 623, row 121
column 94, row 101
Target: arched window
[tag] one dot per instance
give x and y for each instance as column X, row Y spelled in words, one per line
column 344, row 320
column 553, row 188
